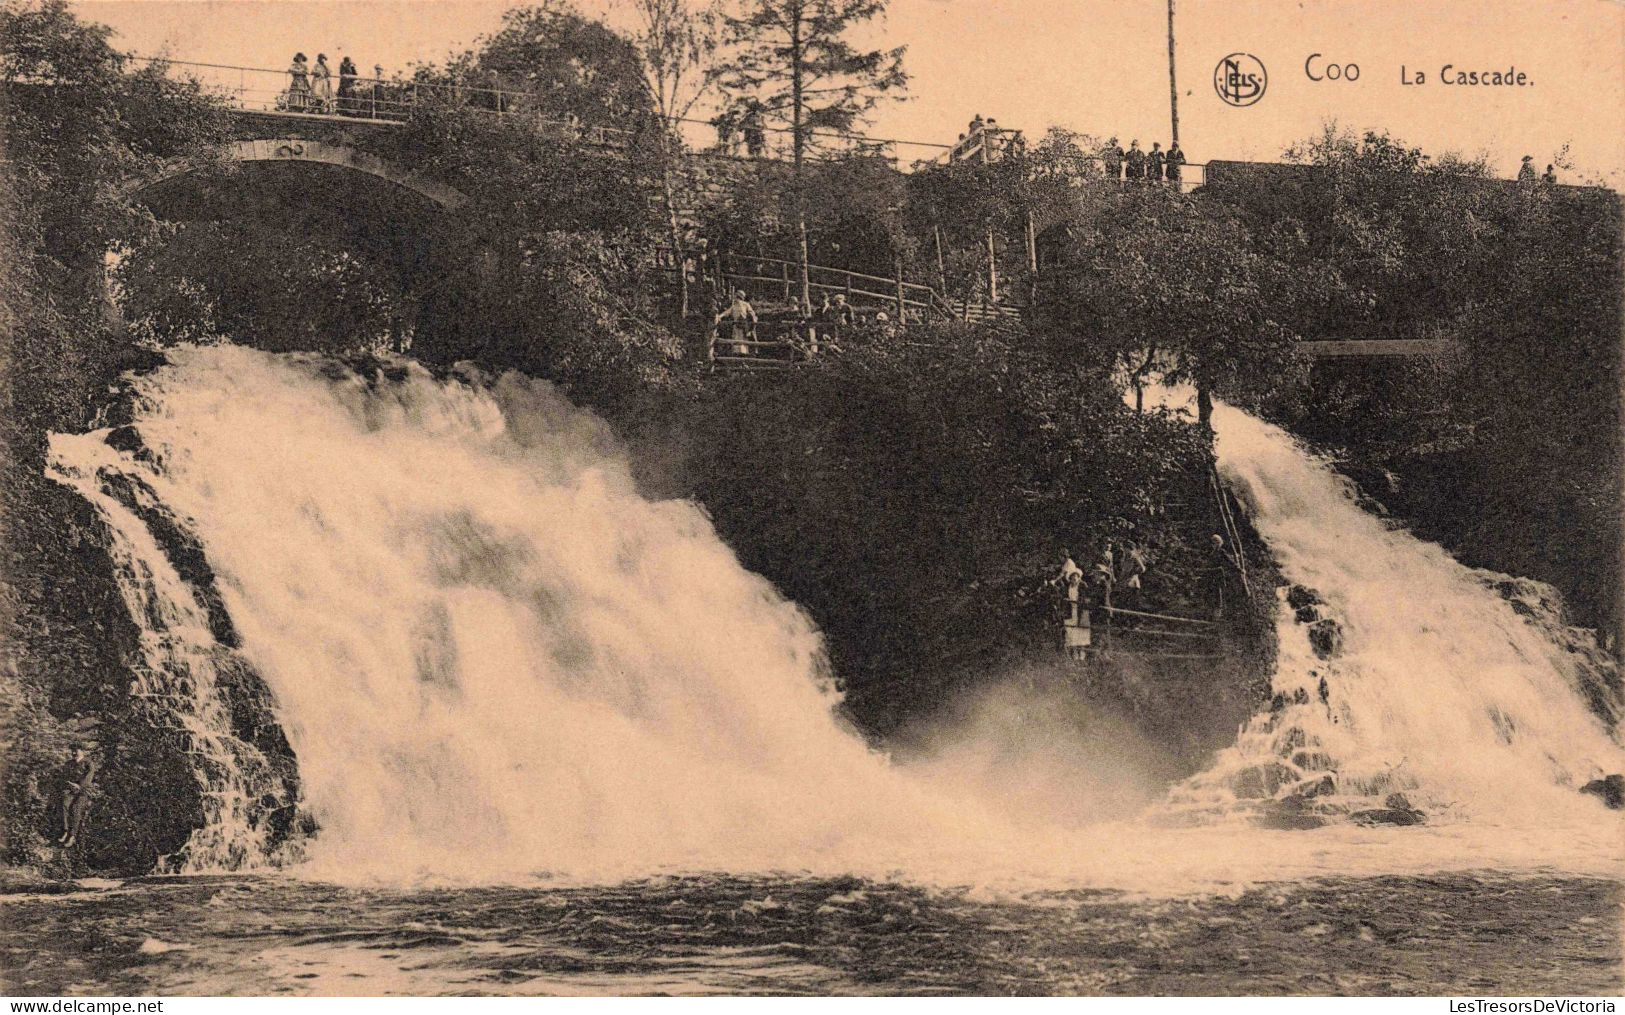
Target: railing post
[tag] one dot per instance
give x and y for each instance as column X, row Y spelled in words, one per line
column 899, row 290
column 784, row 270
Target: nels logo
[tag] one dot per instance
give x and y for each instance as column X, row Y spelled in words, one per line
column 1240, row 79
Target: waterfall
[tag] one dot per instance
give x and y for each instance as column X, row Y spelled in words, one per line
column 1407, row 684
column 493, row 658
column 488, row 651
column 186, row 661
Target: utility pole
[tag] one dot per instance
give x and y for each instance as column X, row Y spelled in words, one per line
column 1173, row 89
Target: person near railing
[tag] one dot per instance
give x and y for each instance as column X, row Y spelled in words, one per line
column 1130, row 570
column 1134, row 162
column 841, row 313
column 1104, row 574
column 754, row 129
column 1221, row 566
column 298, row 99
column 1154, row 162
column 1176, row 159
column 741, row 318
column 321, row 84
column 1070, row 582
column 347, row 87
column 1111, row 157
column 727, row 128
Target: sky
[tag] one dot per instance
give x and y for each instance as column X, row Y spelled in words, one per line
column 1098, row 66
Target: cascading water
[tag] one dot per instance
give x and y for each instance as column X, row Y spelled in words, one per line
column 1400, row 671
column 493, row 658
column 488, row 652
column 183, row 662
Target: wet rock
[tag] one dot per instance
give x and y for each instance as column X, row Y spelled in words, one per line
column 1289, row 815
column 1326, row 638
column 1260, row 782
column 182, row 548
column 1314, row 761
column 1308, row 789
column 1611, row 790
column 129, row 440
column 1292, row 740
column 1396, row 810
column 1300, row 598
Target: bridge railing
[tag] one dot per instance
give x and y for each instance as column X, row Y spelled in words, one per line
column 779, row 279
column 371, row 99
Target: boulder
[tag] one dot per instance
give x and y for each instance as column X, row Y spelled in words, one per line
column 1326, row 638
column 1308, row 789
column 1396, row 810
column 1610, row 789
column 1314, row 761
column 1298, row 597
column 1260, row 782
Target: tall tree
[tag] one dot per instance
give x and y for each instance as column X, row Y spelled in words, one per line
column 794, row 59
column 677, row 41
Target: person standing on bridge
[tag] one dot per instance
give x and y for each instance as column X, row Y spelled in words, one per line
column 754, row 129
column 1136, row 162
column 1176, row 158
column 1550, row 175
column 727, row 132
column 1111, row 157
column 321, row 84
column 298, row 85
column 1526, row 172
column 347, row 87
column 1155, row 162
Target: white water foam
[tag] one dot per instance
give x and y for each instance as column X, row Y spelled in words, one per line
column 1437, row 688
column 494, row 659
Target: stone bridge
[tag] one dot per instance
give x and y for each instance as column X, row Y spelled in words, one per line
column 303, row 149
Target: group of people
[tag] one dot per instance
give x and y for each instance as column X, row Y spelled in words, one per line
column 311, row 89
column 1119, row 570
column 746, row 122
column 1526, row 172
column 809, row 329
column 1118, row 574
column 1140, row 166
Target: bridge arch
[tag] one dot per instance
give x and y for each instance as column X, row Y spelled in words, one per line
column 295, row 149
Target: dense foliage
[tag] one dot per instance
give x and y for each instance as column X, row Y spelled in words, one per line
column 1522, row 425
column 76, row 123
column 1156, row 282
column 914, row 498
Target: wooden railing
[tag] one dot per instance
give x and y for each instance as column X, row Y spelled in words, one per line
column 779, row 279
column 372, row 99
column 1116, row 630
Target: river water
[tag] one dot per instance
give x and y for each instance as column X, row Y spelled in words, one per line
column 1457, row 934
column 556, row 740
